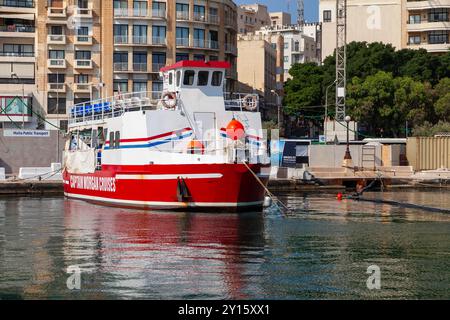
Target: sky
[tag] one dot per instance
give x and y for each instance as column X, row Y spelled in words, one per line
column 311, row 7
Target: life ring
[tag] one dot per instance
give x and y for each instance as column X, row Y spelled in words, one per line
column 169, row 100
column 250, row 102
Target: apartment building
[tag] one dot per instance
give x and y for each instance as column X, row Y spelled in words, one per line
column 258, row 63
column 252, row 17
column 80, row 50
column 17, row 64
column 403, row 23
column 278, row 19
column 297, row 47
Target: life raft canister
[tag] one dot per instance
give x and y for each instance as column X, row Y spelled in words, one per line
column 235, row 130
column 195, row 147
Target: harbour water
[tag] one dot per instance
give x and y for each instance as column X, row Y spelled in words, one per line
column 320, row 251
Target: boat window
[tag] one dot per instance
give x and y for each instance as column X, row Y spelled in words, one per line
column 170, row 78
column 111, row 140
column 189, row 78
column 217, row 78
column 117, row 140
column 178, row 78
column 203, row 78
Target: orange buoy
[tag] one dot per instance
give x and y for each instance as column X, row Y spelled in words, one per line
column 195, row 147
column 235, row 130
column 339, row 196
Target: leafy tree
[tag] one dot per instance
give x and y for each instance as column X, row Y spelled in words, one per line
column 427, row 129
column 442, row 104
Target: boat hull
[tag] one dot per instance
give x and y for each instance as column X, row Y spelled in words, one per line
column 210, row 187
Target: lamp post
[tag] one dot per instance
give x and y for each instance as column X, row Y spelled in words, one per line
column 14, row 75
column 278, row 106
column 326, row 110
column 348, row 156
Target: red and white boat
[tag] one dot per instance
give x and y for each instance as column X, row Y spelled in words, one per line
column 189, row 147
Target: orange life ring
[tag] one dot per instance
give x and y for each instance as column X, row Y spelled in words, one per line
column 169, row 100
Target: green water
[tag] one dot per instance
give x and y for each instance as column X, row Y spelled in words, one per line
column 321, row 251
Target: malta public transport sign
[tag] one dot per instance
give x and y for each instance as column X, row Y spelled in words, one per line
column 26, row 133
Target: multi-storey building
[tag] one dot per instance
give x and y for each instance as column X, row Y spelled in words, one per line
column 257, row 68
column 278, row 19
column 252, row 17
column 297, row 47
column 17, row 64
column 403, row 23
column 88, row 49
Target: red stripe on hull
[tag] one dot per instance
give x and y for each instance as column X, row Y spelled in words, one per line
column 155, row 186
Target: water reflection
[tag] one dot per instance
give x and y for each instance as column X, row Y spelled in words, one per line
column 163, row 255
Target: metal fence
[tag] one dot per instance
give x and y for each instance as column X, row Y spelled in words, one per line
column 428, row 153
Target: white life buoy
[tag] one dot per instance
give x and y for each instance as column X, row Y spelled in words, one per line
column 169, row 100
column 250, row 102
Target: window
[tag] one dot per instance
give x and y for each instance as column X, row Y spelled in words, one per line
column 199, row 38
column 327, row 16
column 139, row 34
column 121, row 57
column 56, row 54
column 117, row 140
column 111, row 140
column 182, row 11
column 120, row 33
column 189, row 76
column 158, row 60
column 82, row 55
column 20, row 50
column 414, row 39
column 157, row 87
column 213, row 58
column 171, row 78
column 286, row 45
column 140, row 61
column 56, row 105
column 81, row 78
column 178, row 78
column 199, row 57
column 140, row 86
column 56, row 30
column 435, row 37
column 216, row 80
column 120, row 85
column 415, row 18
column 214, row 39
column 182, row 56
column 140, row 8
column 436, row 15
column 286, row 58
column 182, row 35
column 199, row 13
column 56, row 78
column 158, row 35
column 203, row 77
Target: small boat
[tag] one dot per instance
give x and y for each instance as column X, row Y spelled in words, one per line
column 191, row 146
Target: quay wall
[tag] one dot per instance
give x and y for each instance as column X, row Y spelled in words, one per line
column 16, row 152
column 428, row 153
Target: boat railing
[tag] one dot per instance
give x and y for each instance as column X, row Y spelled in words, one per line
column 101, row 109
column 241, row 101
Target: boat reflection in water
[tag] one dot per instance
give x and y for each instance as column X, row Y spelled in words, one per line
column 140, row 254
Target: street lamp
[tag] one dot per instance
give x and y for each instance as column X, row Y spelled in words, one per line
column 326, row 110
column 348, row 156
column 278, row 106
column 14, row 75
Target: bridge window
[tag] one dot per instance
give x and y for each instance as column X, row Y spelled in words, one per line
column 117, row 140
column 217, row 78
column 189, row 78
column 170, row 78
column 111, row 140
column 203, row 77
column 178, row 78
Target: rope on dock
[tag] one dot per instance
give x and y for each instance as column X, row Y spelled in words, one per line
column 270, row 194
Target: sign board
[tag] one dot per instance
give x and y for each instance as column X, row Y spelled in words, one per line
column 289, row 158
column 322, row 139
column 26, row 133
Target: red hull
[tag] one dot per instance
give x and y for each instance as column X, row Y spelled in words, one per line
column 227, row 187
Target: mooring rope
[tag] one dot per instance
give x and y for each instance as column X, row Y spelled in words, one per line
column 270, row 194
column 404, row 205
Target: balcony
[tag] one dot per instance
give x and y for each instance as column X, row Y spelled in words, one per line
column 121, row 12
column 435, row 48
column 83, row 12
column 230, row 23
column 17, row 3
column 182, row 42
column 83, row 40
column 140, row 67
column 199, row 43
column 142, row 40
column 213, row 45
column 159, row 41
column 56, row 39
column 7, row 56
column 159, row 13
column 82, row 87
column 120, row 66
column 121, row 39
column 214, row 19
column 56, row 63
column 16, row 31
column 428, row 26
column 182, row 15
column 229, row 48
column 200, row 17
column 56, row 87
column 56, row 12
column 140, row 12
column 83, row 64
column 429, row 4
column 156, row 67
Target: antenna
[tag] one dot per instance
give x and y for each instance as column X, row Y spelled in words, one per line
column 341, row 58
column 300, row 13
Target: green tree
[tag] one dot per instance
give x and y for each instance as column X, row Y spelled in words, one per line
column 442, row 104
